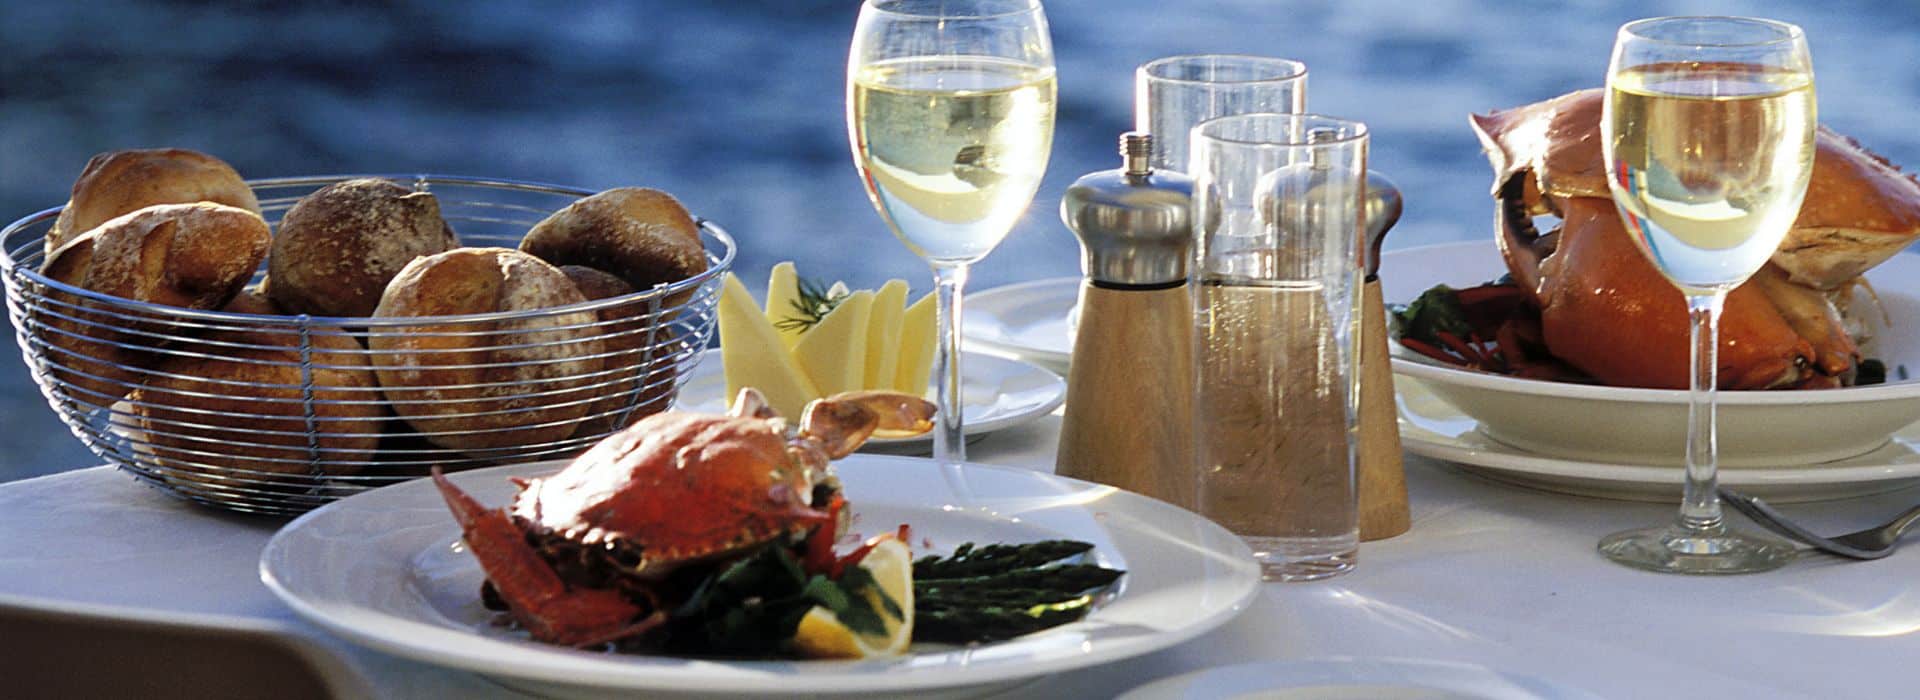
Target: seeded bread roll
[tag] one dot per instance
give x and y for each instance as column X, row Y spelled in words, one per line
column 195, row 256
column 640, row 235
column 484, row 387
column 119, row 182
column 636, row 358
column 233, row 410
column 338, row 247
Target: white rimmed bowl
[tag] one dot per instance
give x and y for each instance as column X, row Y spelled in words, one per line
column 1616, row 425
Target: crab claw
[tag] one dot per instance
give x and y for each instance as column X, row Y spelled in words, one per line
column 535, row 595
column 839, row 424
column 750, row 403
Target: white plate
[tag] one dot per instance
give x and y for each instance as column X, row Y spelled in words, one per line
column 1432, row 427
column 996, row 393
column 1353, row 678
column 1028, row 320
column 381, row 569
column 1618, row 425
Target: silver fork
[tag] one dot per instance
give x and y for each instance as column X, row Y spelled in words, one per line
column 1871, row 543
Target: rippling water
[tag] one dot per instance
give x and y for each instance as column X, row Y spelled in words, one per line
column 736, row 107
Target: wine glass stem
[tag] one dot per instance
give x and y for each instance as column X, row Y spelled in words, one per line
column 1700, row 504
column 949, row 440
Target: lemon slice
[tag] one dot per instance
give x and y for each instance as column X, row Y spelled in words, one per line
column 821, row 634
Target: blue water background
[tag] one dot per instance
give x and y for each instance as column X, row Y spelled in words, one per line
column 736, row 107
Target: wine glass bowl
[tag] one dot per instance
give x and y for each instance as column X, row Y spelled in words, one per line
column 1708, row 140
column 950, row 112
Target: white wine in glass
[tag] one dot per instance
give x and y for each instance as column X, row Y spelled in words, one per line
column 1709, row 125
column 950, row 110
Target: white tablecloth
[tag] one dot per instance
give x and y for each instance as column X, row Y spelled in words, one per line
column 1490, row 575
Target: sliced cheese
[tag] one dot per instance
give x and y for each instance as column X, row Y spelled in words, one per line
column 883, row 335
column 833, row 353
column 917, row 338
column 753, row 355
column 783, row 292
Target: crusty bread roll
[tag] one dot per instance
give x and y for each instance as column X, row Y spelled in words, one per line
column 120, row 182
column 1859, row 209
column 338, row 247
column 195, row 256
column 640, row 235
column 236, row 405
column 253, row 300
column 636, row 357
column 480, row 386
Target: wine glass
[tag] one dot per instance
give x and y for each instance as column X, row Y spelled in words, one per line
column 950, row 108
column 1709, row 139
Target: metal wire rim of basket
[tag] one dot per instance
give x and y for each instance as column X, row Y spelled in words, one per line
column 131, row 379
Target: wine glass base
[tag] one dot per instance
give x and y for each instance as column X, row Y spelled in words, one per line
column 1672, row 550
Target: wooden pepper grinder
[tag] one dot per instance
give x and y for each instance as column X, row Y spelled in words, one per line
column 1129, row 391
column 1382, row 477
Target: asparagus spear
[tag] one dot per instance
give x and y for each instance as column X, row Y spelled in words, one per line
column 1068, row 578
column 961, row 625
column 989, row 597
column 998, row 591
column 996, row 558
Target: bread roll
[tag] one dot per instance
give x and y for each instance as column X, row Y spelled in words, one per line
column 236, row 406
column 484, row 386
column 253, row 300
column 195, row 256
column 120, row 182
column 637, row 357
column 640, row 235
column 338, row 247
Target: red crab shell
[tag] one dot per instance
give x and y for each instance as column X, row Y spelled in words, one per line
column 690, row 486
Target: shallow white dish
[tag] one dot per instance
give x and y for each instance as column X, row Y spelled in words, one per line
column 996, row 393
column 1354, row 678
column 1432, row 427
column 1648, row 426
column 1028, row 320
column 381, row 569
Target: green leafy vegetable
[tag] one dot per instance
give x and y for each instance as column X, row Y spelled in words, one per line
column 1870, row 371
column 1437, row 309
column 752, row 606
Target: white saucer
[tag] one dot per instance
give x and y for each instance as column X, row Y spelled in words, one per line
column 1433, row 428
column 997, row 393
column 1355, row 678
column 1029, row 320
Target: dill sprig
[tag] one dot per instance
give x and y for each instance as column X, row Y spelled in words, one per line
column 816, row 300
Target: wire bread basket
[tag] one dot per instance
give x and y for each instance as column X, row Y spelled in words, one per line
column 281, row 414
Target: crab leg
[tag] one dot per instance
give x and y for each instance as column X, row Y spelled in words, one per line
column 536, row 596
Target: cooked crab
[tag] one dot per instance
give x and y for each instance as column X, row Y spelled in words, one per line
column 578, row 557
column 1604, row 308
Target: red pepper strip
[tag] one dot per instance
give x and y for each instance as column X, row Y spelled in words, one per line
column 840, row 566
column 819, row 559
column 1454, row 343
column 859, row 555
column 1494, row 355
column 1425, row 348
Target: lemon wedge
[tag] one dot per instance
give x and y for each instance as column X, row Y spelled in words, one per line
column 821, row 634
